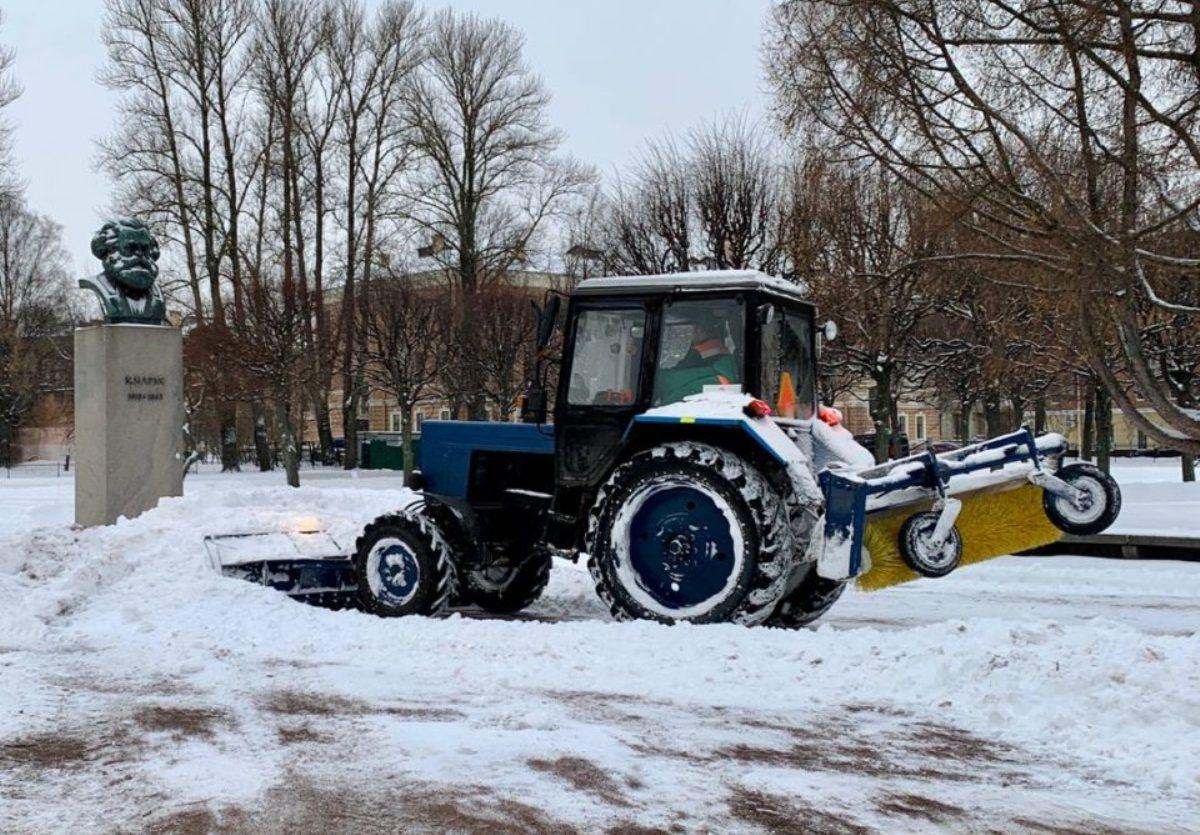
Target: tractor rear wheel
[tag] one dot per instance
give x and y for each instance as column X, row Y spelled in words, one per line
column 506, row 589
column 689, row 532
column 404, row 566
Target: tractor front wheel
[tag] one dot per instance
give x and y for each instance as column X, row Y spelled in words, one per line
column 689, row 532
column 404, row 566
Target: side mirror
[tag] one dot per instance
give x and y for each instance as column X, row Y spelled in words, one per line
column 829, row 330
column 766, row 313
column 546, row 320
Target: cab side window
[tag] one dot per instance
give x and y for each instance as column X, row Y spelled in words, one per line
column 607, row 363
column 788, row 366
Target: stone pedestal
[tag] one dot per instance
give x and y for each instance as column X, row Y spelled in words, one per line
column 128, row 420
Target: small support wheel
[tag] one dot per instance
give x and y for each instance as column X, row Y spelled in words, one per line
column 919, row 551
column 1099, row 504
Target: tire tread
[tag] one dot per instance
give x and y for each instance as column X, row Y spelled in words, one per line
column 414, row 520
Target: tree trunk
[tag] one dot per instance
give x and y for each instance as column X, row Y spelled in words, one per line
column 350, row 430
column 262, row 443
column 406, row 438
column 993, row 415
column 477, row 408
column 1188, row 466
column 1104, row 429
column 1087, row 438
column 231, row 459
column 883, row 415
column 287, row 439
column 962, row 423
column 1039, row 416
column 320, row 406
column 1018, row 414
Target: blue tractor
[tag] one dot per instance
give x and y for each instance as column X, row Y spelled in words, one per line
column 682, row 463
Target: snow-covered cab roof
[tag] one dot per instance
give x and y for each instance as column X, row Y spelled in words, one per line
column 690, row 282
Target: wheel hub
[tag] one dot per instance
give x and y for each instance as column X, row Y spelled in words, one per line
column 683, row 549
column 680, row 548
column 1086, row 505
column 396, row 572
column 933, row 553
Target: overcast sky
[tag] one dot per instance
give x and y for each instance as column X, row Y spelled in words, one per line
column 619, row 70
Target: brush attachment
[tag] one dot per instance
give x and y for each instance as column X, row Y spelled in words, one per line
column 992, row 524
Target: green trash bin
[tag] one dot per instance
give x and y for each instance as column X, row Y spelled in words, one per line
column 386, row 454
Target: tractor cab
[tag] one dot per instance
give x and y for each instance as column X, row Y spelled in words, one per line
column 635, row 344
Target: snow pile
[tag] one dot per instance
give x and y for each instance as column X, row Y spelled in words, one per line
column 56, row 572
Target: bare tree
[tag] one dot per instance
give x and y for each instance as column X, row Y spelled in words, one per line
column 716, row 201
column 489, row 180
column 10, row 91
column 322, row 97
column 651, row 219
column 862, row 257
column 504, row 341
column 1064, row 134
column 271, row 351
column 178, row 157
column 738, row 197
column 407, row 328
column 35, row 311
column 375, row 61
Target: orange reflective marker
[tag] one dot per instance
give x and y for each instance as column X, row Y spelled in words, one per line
column 786, row 403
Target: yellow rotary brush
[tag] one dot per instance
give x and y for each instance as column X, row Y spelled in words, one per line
column 992, row 524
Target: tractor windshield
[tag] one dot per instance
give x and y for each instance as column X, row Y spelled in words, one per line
column 788, row 367
column 608, row 357
column 702, row 344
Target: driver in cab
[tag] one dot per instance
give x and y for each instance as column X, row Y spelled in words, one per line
column 707, row 363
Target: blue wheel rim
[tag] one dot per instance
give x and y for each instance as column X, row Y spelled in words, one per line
column 394, row 571
column 682, row 547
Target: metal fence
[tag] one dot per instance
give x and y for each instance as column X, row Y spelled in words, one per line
column 37, row 469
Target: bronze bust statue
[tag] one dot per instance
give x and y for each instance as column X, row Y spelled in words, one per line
column 127, row 289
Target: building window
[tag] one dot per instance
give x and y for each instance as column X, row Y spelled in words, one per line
column 920, row 427
column 445, row 414
column 903, row 424
column 394, row 421
column 418, row 421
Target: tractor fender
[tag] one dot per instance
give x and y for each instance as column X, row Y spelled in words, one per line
column 727, row 409
column 456, row 521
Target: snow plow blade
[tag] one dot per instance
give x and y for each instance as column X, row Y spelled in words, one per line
column 305, row 565
column 928, row 514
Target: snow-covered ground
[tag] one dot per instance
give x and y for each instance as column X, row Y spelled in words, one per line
column 139, row 690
